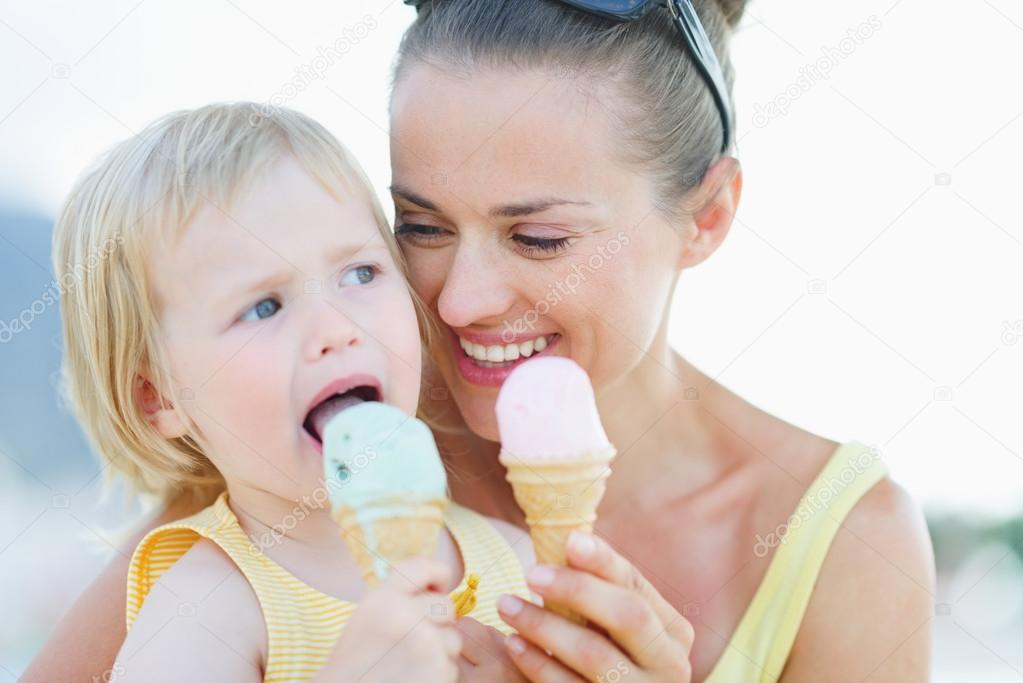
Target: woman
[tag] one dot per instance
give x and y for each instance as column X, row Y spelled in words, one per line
column 554, row 172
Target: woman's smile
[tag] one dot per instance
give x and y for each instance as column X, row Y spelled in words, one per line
column 488, row 359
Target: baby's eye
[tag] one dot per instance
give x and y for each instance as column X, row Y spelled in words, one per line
column 360, row 275
column 263, row 309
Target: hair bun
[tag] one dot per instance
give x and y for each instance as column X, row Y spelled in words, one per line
column 732, row 10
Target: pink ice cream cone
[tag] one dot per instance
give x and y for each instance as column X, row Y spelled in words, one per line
column 556, row 453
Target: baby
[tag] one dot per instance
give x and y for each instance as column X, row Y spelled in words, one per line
column 232, row 272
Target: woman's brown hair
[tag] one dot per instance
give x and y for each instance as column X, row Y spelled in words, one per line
column 640, row 69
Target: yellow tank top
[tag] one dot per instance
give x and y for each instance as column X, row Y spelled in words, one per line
column 763, row 639
column 302, row 623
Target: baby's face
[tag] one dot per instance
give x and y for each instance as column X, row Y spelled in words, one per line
column 269, row 307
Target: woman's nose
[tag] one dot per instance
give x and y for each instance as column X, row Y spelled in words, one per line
column 331, row 328
column 476, row 289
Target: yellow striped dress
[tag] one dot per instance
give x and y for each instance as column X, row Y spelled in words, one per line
column 302, row 623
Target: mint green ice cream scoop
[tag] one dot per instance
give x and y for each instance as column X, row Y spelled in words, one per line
column 387, row 484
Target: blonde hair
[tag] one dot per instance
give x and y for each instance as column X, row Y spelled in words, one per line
column 141, row 193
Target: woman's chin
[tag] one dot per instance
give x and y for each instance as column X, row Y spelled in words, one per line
column 479, row 416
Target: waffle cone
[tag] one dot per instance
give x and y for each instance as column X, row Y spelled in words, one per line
column 382, row 542
column 558, row 497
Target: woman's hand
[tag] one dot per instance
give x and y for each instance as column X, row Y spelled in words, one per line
column 633, row 633
column 484, row 656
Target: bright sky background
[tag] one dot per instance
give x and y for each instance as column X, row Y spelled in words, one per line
column 874, row 264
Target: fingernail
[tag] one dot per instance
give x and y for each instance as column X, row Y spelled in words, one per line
column 509, row 605
column 516, row 644
column 541, row 576
column 581, row 544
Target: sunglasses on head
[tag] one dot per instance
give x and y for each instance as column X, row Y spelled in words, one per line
column 694, row 37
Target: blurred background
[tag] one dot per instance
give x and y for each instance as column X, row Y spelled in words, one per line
column 871, row 288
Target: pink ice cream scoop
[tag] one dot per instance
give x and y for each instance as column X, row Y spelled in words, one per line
column 546, row 409
column 555, row 451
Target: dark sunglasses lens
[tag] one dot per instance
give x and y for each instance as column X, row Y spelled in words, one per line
column 623, row 9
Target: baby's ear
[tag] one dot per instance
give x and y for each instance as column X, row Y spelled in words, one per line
column 158, row 411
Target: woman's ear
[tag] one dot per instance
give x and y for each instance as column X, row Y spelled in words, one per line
column 159, row 412
column 713, row 208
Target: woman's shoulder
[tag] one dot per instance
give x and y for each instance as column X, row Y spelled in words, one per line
column 874, row 595
column 203, row 603
column 875, row 587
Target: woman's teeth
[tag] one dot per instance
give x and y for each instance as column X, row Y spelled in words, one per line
column 485, row 355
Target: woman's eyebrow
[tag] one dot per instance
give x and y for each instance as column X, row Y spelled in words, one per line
column 410, row 196
column 524, row 208
column 529, row 207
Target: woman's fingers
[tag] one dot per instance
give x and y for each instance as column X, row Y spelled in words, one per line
column 578, row 647
column 594, row 555
column 466, row 669
column 451, row 641
column 480, row 643
column 537, row 665
column 484, row 654
column 624, row 614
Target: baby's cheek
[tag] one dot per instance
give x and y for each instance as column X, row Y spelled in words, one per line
column 399, row 334
column 245, row 400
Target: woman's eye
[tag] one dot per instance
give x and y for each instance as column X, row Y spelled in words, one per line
column 548, row 245
column 263, row 309
column 415, row 231
column 359, row 275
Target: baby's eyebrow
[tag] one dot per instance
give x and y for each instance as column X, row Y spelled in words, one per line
column 267, row 282
column 337, row 254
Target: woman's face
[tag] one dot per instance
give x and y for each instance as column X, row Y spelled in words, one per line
column 522, row 232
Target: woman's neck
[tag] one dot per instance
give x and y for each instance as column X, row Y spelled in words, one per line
column 656, row 418
column 476, row 477
column 657, row 400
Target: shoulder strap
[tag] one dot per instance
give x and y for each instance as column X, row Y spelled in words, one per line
column 486, row 554
column 161, row 548
column 761, row 644
column 302, row 623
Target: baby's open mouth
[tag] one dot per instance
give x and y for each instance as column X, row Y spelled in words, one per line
column 320, row 415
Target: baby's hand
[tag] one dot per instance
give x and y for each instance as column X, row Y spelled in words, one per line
column 402, row 630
